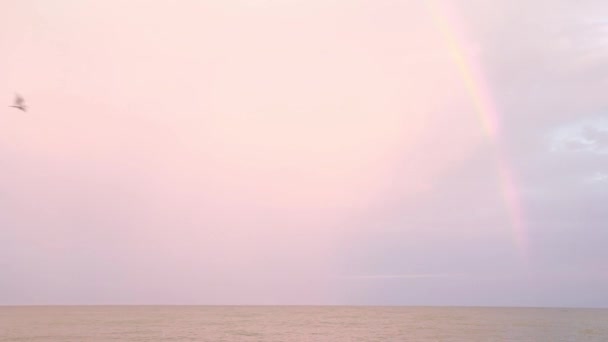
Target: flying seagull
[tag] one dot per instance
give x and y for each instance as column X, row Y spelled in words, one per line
column 19, row 103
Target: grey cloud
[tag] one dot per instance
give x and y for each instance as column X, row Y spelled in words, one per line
column 598, row 137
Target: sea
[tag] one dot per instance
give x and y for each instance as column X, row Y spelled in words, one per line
column 299, row 323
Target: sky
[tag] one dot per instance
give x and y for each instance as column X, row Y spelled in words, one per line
column 342, row 152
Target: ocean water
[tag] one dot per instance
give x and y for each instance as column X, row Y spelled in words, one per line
column 299, row 323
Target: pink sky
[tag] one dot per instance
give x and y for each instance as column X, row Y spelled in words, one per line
column 232, row 151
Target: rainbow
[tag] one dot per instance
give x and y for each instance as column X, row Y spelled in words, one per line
column 479, row 92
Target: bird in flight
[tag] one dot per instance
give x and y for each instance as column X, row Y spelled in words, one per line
column 19, row 103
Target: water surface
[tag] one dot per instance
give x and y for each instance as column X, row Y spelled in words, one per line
column 299, row 323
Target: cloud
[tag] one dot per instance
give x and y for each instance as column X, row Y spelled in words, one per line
column 599, row 177
column 399, row 276
column 587, row 135
column 598, row 137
